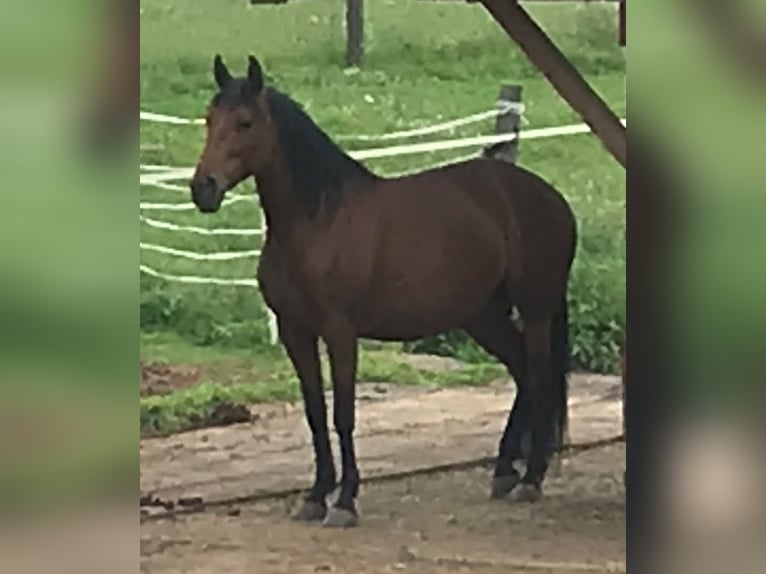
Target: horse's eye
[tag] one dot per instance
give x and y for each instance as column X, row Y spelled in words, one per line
column 244, row 124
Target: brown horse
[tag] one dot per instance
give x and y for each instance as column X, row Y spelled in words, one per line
column 351, row 255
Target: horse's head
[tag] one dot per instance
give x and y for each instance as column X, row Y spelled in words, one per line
column 241, row 138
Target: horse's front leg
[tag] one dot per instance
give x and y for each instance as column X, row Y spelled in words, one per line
column 341, row 343
column 301, row 347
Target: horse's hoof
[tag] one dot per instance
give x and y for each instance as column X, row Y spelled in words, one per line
column 310, row 511
column 527, row 493
column 503, row 485
column 340, row 518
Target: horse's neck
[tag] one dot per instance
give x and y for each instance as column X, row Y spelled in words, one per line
column 281, row 210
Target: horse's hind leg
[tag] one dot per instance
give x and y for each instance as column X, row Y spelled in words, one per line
column 540, row 387
column 494, row 331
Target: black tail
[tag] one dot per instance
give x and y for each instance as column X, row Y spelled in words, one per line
column 560, row 355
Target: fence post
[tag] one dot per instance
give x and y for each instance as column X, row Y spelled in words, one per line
column 354, row 32
column 507, row 123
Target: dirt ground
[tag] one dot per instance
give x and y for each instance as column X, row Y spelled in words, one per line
column 161, row 378
column 424, row 524
column 428, row 524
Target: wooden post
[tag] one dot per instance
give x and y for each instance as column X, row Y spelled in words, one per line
column 354, row 33
column 507, row 123
column 567, row 81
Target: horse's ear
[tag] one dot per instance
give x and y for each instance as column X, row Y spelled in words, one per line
column 255, row 73
column 220, row 72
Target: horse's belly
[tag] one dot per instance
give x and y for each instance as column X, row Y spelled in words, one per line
column 411, row 326
column 434, row 288
column 401, row 331
column 413, row 315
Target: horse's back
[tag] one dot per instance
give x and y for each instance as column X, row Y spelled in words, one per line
column 481, row 196
column 490, row 180
column 528, row 193
column 520, row 201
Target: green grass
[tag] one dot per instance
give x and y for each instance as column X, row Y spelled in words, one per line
column 261, row 376
column 426, row 62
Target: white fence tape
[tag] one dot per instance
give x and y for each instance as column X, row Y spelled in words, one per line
column 175, row 173
column 434, row 166
column 198, row 230
column 188, row 206
column 195, row 280
column 219, row 256
column 165, row 119
column 170, row 174
column 170, row 186
column 503, row 107
column 177, row 170
column 475, row 141
column 152, row 167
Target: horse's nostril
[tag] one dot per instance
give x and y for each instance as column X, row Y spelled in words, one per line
column 205, row 183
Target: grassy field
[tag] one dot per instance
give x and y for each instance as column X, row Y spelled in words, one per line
column 426, row 62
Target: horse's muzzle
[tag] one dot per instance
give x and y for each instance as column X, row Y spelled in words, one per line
column 206, row 193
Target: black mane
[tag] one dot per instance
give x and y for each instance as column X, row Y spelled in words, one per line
column 319, row 170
